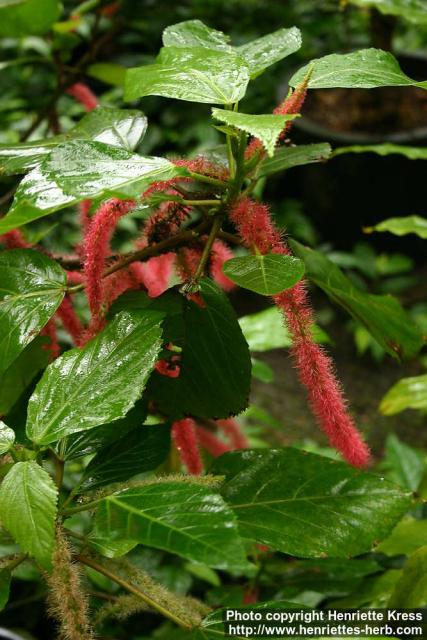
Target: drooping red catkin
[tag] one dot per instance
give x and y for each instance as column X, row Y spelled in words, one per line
column 14, row 240
column 97, row 249
column 75, row 277
column 81, row 92
column 234, row 432
column 184, row 435
column 220, row 254
column 85, row 219
column 49, row 330
column 211, row 442
column 70, row 320
column 315, row 368
column 155, row 274
column 188, row 261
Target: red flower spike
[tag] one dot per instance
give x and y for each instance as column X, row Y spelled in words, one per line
column 155, row 274
column 211, row 443
column 70, row 320
column 168, row 369
column 184, row 436
column 314, row 366
column 49, row 330
column 189, row 258
column 75, row 277
column 220, row 254
column 234, row 432
column 14, row 240
column 85, row 219
column 97, row 248
column 81, row 92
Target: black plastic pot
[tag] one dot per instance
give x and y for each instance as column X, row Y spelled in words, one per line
column 356, row 190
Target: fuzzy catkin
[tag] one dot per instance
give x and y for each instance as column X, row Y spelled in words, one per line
column 184, row 434
column 211, row 442
column 219, row 255
column 81, row 92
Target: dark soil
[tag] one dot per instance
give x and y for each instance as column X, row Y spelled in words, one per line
column 384, row 110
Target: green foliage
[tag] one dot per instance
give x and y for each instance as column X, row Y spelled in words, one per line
column 265, row 274
column 7, row 438
column 407, row 393
column 288, row 157
column 403, row 226
column 26, row 17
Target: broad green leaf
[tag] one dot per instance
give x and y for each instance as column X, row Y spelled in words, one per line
column 89, row 387
column 118, row 127
column 143, row 449
column 108, row 72
column 78, row 170
column 407, row 536
column 31, row 289
column 412, row 153
column 402, row 226
column 111, row 548
column 7, row 438
column 265, row 51
column 404, row 465
column 288, row 157
column 194, row 33
column 5, row 579
column 214, row 380
column 364, row 69
column 382, row 316
column 28, row 17
column 411, row 590
column 186, row 519
column 22, row 372
column 413, row 10
column 407, row 393
column 267, row 275
column 28, row 498
column 192, row 74
column 262, row 371
column 307, row 505
column 266, row 128
column 266, row 330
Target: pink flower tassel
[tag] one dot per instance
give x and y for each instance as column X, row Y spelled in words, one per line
column 14, row 240
column 314, row 366
column 70, row 320
column 211, row 443
column 49, row 330
column 81, row 92
column 155, row 274
column 234, row 432
column 220, row 254
column 184, row 436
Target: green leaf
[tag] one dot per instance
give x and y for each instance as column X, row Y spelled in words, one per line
column 288, row 157
column 411, row 589
column 407, row 393
column 85, row 388
column 307, row 505
column 5, row 579
column 267, row 275
column 412, row 153
column 407, row 536
column 263, row 52
column 192, row 74
column 28, row 498
column 402, row 226
column 82, row 169
column 266, row 128
column 32, row 287
column 364, row 69
column 186, row 519
column 22, row 372
column 194, row 33
column 382, row 316
column 143, row 449
column 214, row 381
column 123, row 128
column 266, row 330
column 7, row 438
column 405, row 465
column 108, row 72
column 412, row 10
column 28, row 17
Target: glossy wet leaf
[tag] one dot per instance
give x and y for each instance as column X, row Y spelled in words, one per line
column 411, row 589
column 382, row 315
column 267, row 50
column 19, row 375
column 186, row 519
column 5, row 580
column 142, row 449
column 117, row 127
column 408, row 535
column 28, row 17
column 307, row 505
column 402, row 226
column 364, row 69
column 7, row 438
column 108, row 72
column 194, row 33
column 28, row 498
column 266, row 330
column 88, row 387
column 265, row 274
column 192, row 74
column 31, row 289
column 288, row 157
column 265, row 127
column 403, row 464
column 412, row 10
column 412, row 153
column 407, row 393
column 214, row 381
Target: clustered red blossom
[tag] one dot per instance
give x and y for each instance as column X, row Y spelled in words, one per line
column 81, row 92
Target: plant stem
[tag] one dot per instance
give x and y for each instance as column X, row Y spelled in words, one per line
column 86, row 506
column 200, row 203
column 221, row 184
column 89, row 562
column 59, row 471
column 207, row 249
